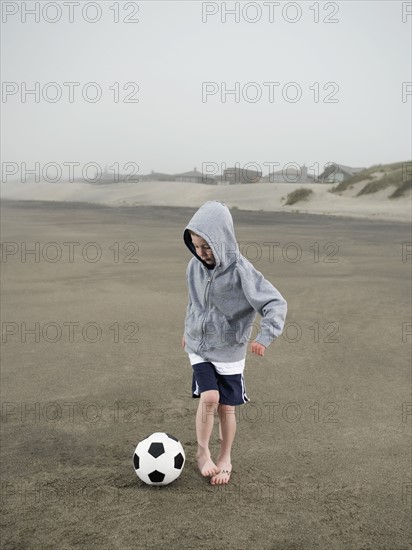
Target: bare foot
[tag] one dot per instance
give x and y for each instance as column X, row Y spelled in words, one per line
column 223, row 476
column 206, row 465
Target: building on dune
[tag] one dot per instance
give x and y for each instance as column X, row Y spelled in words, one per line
column 290, row 174
column 335, row 173
column 157, row 176
column 194, row 176
column 240, row 175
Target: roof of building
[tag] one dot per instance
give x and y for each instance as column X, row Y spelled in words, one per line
column 152, row 174
column 235, row 168
column 195, row 174
column 291, row 172
column 192, row 174
column 348, row 169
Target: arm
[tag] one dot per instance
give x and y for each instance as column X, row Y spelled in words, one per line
column 268, row 302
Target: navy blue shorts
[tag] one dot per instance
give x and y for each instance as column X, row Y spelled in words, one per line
column 231, row 387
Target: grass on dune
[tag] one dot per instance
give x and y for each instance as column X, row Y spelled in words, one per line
column 381, row 177
column 298, row 195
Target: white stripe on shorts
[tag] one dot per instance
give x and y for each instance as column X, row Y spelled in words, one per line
column 244, row 396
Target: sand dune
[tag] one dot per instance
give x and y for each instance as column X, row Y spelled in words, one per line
column 262, row 196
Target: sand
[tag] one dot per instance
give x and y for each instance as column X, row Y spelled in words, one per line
column 322, row 454
column 267, row 197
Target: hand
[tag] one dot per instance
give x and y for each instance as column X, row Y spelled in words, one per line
column 183, row 342
column 257, row 348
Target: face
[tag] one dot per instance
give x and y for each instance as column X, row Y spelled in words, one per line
column 203, row 249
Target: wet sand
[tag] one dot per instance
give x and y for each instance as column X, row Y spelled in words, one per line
column 91, row 363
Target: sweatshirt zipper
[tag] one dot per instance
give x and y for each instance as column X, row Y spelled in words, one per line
column 206, row 287
column 209, row 280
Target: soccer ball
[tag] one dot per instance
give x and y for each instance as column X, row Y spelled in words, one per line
column 159, row 459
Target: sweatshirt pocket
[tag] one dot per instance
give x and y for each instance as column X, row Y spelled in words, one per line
column 220, row 333
column 193, row 324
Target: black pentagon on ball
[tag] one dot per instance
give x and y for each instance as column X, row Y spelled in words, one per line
column 136, row 461
column 179, row 461
column 172, row 437
column 156, row 449
column 156, row 477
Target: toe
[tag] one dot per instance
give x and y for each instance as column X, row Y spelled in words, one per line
column 223, row 477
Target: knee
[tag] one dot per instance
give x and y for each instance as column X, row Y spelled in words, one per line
column 211, row 397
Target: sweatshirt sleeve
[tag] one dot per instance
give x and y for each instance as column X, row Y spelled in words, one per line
column 266, row 300
column 189, row 299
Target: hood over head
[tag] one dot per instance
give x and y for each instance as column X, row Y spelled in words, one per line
column 213, row 222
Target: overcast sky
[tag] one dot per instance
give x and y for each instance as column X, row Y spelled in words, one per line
column 336, row 92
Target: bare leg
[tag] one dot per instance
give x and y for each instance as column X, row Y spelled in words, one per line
column 209, row 401
column 227, row 423
column 220, row 432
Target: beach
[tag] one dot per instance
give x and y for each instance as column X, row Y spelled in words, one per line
column 262, row 197
column 94, row 299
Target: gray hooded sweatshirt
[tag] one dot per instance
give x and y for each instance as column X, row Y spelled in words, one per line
column 224, row 301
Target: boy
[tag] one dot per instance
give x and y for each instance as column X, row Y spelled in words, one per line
column 225, row 293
